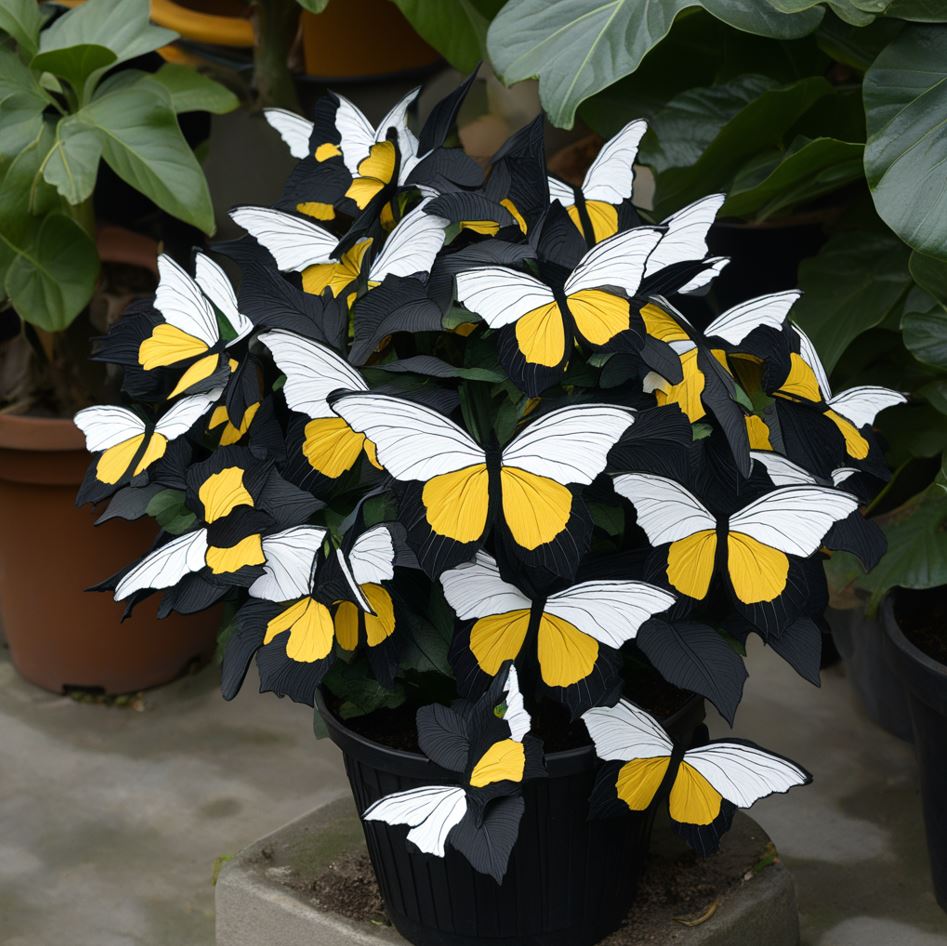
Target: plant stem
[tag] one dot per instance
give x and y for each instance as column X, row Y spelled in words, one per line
column 276, row 23
column 84, row 215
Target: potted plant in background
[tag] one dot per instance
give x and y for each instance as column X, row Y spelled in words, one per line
column 71, row 101
column 493, row 503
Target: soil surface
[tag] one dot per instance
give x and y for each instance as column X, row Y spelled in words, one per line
column 679, row 890
column 922, row 616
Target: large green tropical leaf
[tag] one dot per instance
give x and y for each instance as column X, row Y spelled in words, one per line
column 142, row 143
column 855, row 12
column 48, row 263
column 750, row 115
column 73, row 161
column 854, row 282
column 21, row 19
column 75, row 63
column 54, row 272
column 808, row 169
column 905, row 94
column 931, row 274
column 192, row 92
column 921, row 11
column 917, row 546
column 579, row 47
column 121, row 26
column 688, row 124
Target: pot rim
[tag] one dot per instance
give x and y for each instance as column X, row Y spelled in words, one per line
column 43, row 434
column 907, row 648
column 562, row 762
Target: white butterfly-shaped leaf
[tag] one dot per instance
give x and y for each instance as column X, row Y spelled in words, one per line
column 166, row 566
column 431, row 813
column 686, row 236
column 412, row 246
column 313, row 371
column 182, row 304
column 294, row 243
column 293, row 129
column 736, row 323
column 475, row 589
column 290, row 563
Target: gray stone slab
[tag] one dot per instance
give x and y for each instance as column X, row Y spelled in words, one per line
column 265, row 894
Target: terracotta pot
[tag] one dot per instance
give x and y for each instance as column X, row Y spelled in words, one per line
column 363, row 39
column 59, row 634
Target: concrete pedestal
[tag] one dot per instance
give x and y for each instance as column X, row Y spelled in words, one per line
column 265, row 895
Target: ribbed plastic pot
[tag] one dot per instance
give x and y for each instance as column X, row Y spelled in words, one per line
column 570, row 881
column 925, row 680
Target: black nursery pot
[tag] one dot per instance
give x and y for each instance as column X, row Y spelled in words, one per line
column 860, row 640
column 570, row 880
column 925, row 680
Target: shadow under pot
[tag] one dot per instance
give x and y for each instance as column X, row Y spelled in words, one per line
column 570, row 880
column 915, row 624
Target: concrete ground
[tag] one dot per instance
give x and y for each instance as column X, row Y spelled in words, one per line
column 111, row 819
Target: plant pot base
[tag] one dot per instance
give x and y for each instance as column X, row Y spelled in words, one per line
column 272, row 893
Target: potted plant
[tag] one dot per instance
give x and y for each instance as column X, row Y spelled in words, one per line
column 494, row 505
column 914, row 627
column 68, row 107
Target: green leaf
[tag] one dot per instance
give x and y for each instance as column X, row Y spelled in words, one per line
column 931, row 274
column 856, row 46
column 52, row 276
column 457, row 30
column 192, row 92
column 925, row 336
column 905, row 95
column 22, row 19
column 854, row 12
column 22, row 122
column 579, row 47
column 917, row 546
column 73, row 161
column 167, row 508
column 313, row 6
column 810, row 168
column 921, row 11
column 700, row 52
column 857, row 278
column 763, row 123
column 359, row 691
column 935, row 393
column 688, row 124
column 143, row 144
column 122, row 26
column 75, row 63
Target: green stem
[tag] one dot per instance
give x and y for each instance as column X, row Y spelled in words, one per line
column 84, row 215
column 276, row 24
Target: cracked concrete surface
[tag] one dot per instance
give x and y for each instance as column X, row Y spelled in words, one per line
column 111, row 819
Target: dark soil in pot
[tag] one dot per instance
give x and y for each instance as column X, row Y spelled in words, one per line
column 570, row 880
column 916, row 638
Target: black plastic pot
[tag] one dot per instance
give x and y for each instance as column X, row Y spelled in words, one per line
column 861, row 642
column 925, row 681
column 570, row 880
